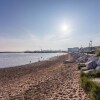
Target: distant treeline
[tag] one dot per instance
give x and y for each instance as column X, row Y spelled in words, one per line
column 45, row 52
column 36, row 52
column 11, row 52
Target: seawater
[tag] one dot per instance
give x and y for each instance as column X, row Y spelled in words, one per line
column 16, row 59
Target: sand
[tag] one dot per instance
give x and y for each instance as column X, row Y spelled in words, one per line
column 45, row 80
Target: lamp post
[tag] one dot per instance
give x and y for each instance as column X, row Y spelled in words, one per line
column 90, row 45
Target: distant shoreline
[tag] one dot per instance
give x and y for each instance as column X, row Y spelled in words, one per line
column 11, row 52
column 33, row 52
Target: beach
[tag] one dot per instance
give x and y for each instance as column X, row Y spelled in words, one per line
column 45, row 80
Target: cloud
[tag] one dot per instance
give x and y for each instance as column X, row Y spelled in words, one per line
column 31, row 41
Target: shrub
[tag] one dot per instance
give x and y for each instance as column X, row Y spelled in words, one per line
column 86, row 83
column 90, row 87
column 94, row 74
column 98, row 53
column 82, row 74
column 95, row 92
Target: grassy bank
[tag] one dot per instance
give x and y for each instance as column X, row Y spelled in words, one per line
column 97, row 53
column 92, row 88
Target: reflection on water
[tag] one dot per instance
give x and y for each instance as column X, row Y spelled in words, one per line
column 15, row 59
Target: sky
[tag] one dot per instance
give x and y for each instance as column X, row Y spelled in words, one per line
column 48, row 24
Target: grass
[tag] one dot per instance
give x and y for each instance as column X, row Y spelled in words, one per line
column 95, row 92
column 97, row 53
column 90, row 87
column 94, row 74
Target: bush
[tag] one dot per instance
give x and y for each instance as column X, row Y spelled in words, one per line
column 98, row 53
column 95, row 93
column 86, row 82
column 94, row 74
column 90, row 87
column 82, row 75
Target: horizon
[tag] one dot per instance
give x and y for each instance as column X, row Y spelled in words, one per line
column 48, row 49
column 48, row 24
column 33, row 50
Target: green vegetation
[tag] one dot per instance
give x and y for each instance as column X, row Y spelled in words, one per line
column 81, row 65
column 90, row 87
column 98, row 53
column 94, row 74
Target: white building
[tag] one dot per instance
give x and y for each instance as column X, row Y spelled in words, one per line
column 88, row 49
column 73, row 50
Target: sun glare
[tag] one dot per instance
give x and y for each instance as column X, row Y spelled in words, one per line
column 64, row 28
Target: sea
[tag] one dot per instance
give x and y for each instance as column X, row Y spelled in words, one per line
column 17, row 59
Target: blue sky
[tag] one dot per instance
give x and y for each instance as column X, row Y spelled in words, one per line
column 37, row 24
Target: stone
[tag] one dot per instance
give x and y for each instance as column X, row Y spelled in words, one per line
column 93, row 58
column 91, row 65
column 98, row 62
column 98, row 68
column 82, row 59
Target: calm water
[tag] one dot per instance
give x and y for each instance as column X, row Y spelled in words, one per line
column 15, row 59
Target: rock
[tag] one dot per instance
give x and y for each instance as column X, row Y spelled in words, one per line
column 82, row 59
column 98, row 62
column 67, row 61
column 91, row 65
column 98, row 68
column 88, row 71
column 84, row 68
column 93, row 58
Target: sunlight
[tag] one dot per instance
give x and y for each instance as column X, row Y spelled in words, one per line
column 64, row 28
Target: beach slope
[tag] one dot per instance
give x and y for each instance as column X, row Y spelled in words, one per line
column 45, row 80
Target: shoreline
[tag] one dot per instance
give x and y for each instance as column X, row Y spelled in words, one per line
column 12, row 62
column 21, row 70
column 37, row 62
column 46, row 80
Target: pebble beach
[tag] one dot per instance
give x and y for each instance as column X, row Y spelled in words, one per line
column 45, row 80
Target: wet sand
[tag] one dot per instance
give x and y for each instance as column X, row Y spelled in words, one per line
column 46, row 80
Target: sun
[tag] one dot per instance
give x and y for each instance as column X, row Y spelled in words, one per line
column 64, row 28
